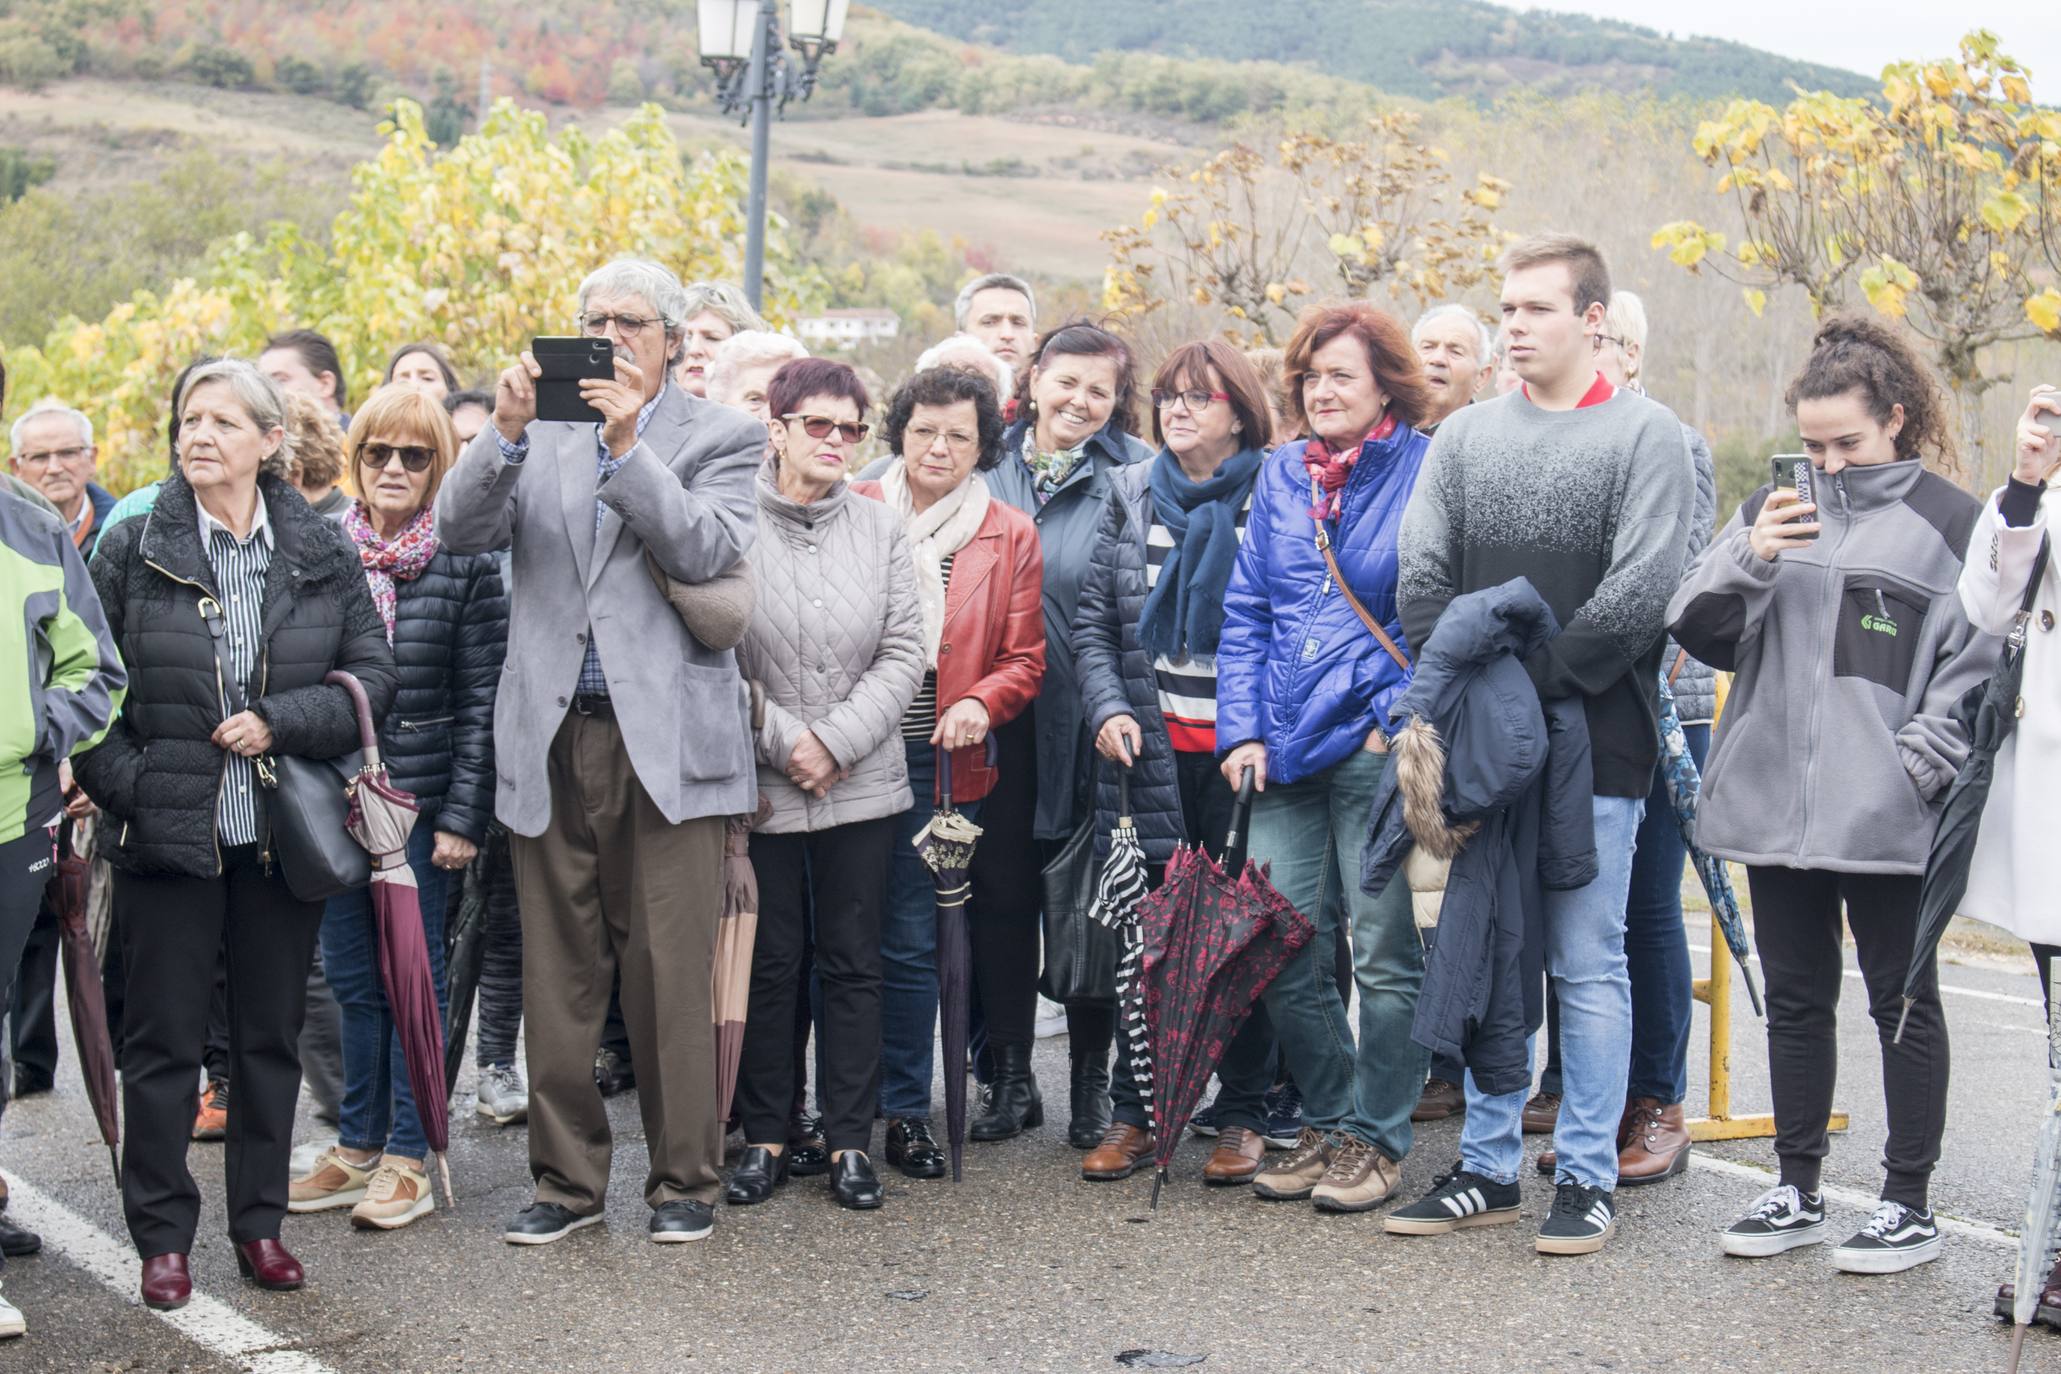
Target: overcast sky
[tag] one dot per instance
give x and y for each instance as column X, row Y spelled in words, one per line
column 1893, row 29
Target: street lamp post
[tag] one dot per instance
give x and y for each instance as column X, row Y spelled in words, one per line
column 740, row 42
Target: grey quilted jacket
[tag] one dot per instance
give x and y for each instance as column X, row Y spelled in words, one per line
column 1695, row 686
column 835, row 646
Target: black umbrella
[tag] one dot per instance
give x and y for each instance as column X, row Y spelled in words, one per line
column 1989, row 713
column 946, row 846
column 465, row 925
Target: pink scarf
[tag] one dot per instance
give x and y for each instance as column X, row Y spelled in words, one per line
column 1329, row 471
column 401, row 559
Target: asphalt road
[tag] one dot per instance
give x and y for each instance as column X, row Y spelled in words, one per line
column 1024, row 1267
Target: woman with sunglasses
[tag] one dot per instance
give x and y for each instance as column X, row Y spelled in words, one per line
column 834, row 657
column 447, row 620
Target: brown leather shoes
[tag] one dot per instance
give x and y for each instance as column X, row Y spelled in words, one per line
column 1652, row 1142
column 1439, row 1101
column 166, row 1283
column 267, row 1264
column 1540, row 1112
column 1236, row 1158
column 1123, row 1151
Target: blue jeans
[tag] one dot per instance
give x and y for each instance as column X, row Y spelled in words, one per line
column 1585, row 967
column 1312, row 832
column 378, row 1108
column 908, row 954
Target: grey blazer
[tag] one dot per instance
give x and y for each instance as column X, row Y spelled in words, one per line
column 684, row 493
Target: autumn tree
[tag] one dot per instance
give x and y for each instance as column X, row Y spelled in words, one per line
column 1917, row 202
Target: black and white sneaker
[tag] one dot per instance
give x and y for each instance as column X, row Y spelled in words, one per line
column 682, row 1219
column 540, row 1223
column 1896, row 1238
column 1580, row 1222
column 1457, row 1198
column 1780, row 1219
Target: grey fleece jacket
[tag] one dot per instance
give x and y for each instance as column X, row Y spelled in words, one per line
column 1837, row 742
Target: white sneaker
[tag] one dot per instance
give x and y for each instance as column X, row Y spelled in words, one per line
column 1780, row 1219
column 12, row 1323
column 306, row 1154
column 1051, row 1018
column 503, row 1097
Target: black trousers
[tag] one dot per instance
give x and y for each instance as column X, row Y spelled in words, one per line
column 171, row 931
column 32, row 1010
column 1796, row 929
column 840, row 874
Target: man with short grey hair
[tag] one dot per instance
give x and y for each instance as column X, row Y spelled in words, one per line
column 1456, row 349
column 622, row 743
column 1001, row 312
column 50, row 447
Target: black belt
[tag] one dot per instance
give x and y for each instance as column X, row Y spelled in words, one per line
column 594, row 706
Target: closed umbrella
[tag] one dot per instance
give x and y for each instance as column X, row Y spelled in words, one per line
column 1119, row 892
column 1684, row 785
column 85, row 1000
column 2040, row 1238
column 1216, row 934
column 380, row 818
column 736, row 933
column 465, row 926
column 946, row 845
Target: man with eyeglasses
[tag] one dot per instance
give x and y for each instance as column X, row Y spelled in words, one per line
column 622, row 743
column 51, row 449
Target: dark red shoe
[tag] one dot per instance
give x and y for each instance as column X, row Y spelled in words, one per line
column 166, row 1283
column 267, row 1264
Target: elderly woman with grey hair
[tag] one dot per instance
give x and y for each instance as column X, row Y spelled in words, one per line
column 744, row 364
column 713, row 312
column 230, row 602
column 968, row 354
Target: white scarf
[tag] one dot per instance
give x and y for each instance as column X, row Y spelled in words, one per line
column 944, row 529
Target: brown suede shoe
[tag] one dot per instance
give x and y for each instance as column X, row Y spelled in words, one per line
column 1291, row 1177
column 1653, row 1143
column 1360, row 1179
column 1236, row 1158
column 1540, row 1113
column 1440, row 1100
column 1123, row 1151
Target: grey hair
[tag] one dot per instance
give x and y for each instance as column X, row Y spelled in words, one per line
column 935, row 356
column 53, row 407
column 654, row 282
column 726, row 302
column 1453, row 309
column 990, row 282
column 750, row 348
column 260, row 398
column 1625, row 318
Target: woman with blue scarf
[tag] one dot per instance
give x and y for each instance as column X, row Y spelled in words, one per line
column 1305, row 688
column 1146, row 635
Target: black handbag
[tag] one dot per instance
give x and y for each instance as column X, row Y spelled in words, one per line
column 1080, row 952
column 307, row 802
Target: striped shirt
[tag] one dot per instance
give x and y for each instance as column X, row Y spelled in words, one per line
column 240, row 567
column 1187, row 685
column 919, row 722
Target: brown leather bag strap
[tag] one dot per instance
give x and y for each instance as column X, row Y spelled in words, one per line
column 1681, row 657
column 1373, row 625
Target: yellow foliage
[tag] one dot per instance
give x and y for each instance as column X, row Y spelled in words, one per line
column 2044, row 310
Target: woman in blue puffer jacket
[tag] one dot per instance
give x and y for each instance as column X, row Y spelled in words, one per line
column 1304, row 690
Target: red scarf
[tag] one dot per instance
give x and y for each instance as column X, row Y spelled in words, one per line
column 1329, row 471
column 385, row 562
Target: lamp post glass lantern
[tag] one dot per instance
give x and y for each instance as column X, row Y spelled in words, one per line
column 740, row 42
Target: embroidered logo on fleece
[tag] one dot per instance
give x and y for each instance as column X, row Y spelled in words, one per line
column 1879, row 624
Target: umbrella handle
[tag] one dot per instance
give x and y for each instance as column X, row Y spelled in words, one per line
column 944, row 777
column 1241, row 815
column 1123, row 793
column 368, row 733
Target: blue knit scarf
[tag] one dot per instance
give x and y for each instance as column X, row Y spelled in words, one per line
column 1184, row 611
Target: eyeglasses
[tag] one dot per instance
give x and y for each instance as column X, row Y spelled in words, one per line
column 819, row 427
column 1196, row 401
column 923, row 438
column 1611, row 339
column 625, row 325
column 67, row 456
column 413, row 457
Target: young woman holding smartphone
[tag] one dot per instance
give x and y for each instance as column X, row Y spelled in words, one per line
column 1841, row 619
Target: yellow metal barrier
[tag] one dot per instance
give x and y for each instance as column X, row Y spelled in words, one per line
column 1716, row 993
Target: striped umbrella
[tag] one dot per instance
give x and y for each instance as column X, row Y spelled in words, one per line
column 1118, row 894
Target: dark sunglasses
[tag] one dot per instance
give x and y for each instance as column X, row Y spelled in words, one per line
column 413, row 457
column 819, row 427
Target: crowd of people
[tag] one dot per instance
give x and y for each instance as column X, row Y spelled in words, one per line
column 594, row 650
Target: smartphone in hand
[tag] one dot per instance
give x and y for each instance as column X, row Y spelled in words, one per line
column 565, row 362
column 1794, row 472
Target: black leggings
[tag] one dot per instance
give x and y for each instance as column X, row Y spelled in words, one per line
column 1796, row 929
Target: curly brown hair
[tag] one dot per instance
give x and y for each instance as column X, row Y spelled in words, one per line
column 318, row 443
column 1877, row 362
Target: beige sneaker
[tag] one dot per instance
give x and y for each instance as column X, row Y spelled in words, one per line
column 333, row 1182
column 1291, row 1177
column 1360, row 1179
column 399, row 1193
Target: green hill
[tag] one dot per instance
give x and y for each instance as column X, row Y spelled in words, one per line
column 1425, row 48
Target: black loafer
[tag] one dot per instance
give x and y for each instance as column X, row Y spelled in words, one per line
column 682, row 1219
column 912, row 1149
column 759, row 1171
column 16, row 1242
column 807, row 1154
column 540, row 1223
column 853, row 1182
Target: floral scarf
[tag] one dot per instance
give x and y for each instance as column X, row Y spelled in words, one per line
column 1049, row 471
column 401, row 559
column 1329, row 471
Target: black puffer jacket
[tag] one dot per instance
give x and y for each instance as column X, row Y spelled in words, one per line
column 450, row 634
column 157, row 774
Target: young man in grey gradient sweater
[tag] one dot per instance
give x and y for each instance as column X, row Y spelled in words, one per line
column 1587, row 492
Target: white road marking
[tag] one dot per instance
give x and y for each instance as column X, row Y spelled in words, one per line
column 1954, row 988
column 1854, row 1197
column 208, row 1322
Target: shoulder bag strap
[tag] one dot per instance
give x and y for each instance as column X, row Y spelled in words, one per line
column 1675, row 671
column 235, row 698
column 1373, row 625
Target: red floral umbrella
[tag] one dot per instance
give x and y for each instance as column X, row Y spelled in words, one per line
column 1215, row 936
